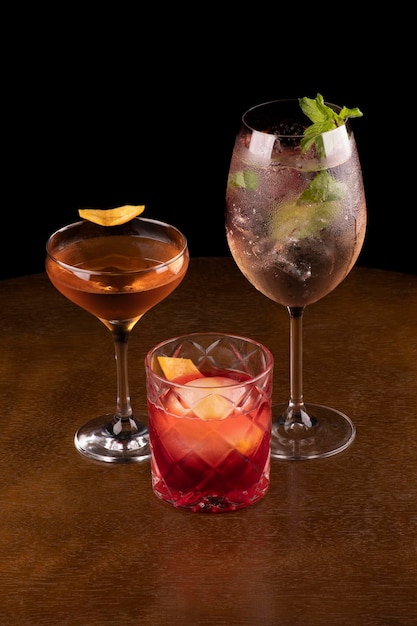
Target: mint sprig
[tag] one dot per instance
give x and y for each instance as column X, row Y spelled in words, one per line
column 324, row 119
column 323, row 187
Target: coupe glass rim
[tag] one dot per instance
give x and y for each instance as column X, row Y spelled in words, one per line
column 159, row 266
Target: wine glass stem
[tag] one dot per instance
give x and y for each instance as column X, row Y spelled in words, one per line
column 296, row 355
column 296, row 416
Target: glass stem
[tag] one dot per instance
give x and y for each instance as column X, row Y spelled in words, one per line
column 123, row 422
column 296, row 417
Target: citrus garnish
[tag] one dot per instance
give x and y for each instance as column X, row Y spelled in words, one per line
column 112, row 217
column 246, row 446
column 315, row 209
column 176, row 367
column 297, row 221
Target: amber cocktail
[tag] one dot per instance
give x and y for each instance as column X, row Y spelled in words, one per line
column 117, row 273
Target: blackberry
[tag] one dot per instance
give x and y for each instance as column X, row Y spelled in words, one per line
column 287, row 132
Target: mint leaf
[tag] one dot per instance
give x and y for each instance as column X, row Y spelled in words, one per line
column 324, row 119
column 245, row 179
column 323, row 188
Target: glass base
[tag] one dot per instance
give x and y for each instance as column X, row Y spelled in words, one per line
column 330, row 432
column 98, row 440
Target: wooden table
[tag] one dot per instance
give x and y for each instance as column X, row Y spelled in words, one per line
column 334, row 542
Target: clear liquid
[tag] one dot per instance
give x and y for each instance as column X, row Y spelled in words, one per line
column 293, row 261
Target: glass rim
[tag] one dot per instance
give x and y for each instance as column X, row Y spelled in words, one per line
column 253, row 378
column 83, row 271
column 278, row 101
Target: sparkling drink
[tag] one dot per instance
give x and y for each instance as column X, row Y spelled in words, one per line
column 210, row 430
column 290, row 244
column 295, row 225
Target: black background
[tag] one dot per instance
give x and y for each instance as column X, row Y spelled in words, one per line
column 104, row 110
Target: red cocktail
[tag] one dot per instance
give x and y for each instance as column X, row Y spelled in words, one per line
column 210, row 430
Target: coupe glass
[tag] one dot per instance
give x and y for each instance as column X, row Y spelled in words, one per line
column 295, row 225
column 117, row 273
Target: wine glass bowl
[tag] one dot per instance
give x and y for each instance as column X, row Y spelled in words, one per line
column 295, row 225
column 116, row 273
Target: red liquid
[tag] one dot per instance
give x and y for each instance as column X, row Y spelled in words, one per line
column 129, row 287
column 210, row 464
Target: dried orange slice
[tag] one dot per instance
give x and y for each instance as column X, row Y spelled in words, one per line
column 112, row 217
column 174, row 367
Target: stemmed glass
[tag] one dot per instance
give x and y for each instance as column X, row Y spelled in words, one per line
column 117, row 273
column 295, row 225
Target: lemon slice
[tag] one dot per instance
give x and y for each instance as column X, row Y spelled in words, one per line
column 112, row 217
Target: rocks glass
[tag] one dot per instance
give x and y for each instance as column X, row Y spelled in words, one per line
column 210, row 426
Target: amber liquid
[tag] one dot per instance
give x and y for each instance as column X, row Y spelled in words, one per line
column 114, row 278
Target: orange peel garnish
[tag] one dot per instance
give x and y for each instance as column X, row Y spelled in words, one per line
column 112, row 217
column 174, row 367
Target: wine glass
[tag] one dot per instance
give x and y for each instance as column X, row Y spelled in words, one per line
column 117, row 273
column 295, row 225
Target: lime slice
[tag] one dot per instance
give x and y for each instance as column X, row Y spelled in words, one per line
column 112, row 217
column 298, row 221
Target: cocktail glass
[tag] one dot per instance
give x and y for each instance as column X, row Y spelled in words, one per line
column 295, row 225
column 210, row 426
column 117, row 273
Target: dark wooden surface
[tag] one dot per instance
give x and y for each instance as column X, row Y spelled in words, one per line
column 334, row 542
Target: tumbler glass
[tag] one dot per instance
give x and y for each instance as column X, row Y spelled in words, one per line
column 209, row 404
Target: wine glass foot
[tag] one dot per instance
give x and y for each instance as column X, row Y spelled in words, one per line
column 97, row 440
column 331, row 432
